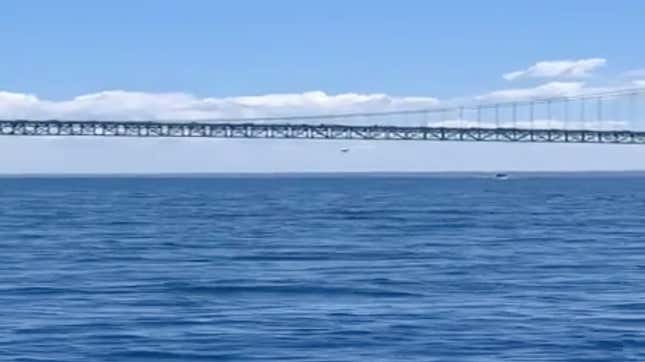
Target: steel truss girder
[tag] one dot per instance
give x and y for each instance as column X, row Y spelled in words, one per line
column 313, row 132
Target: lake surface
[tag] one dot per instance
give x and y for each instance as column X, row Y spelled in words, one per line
column 323, row 269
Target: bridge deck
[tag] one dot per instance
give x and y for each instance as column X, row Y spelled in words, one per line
column 315, row 132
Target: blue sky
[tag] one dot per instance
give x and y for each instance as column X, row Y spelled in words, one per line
column 52, row 52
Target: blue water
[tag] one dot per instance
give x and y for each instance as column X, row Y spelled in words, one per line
column 323, row 269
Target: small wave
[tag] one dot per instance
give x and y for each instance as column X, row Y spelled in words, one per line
column 303, row 290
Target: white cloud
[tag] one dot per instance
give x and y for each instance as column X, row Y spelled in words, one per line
column 124, row 105
column 552, row 89
column 555, row 90
column 558, row 69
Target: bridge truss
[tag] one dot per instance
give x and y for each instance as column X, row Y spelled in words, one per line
column 314, row 132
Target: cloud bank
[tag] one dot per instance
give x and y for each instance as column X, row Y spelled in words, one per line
column 124, row 105
column 580, row 68
column 129, row 105
column 551, row 89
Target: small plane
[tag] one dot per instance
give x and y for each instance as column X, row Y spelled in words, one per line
column 344, row 150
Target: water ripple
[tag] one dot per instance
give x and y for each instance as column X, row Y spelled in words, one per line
column 322, row 269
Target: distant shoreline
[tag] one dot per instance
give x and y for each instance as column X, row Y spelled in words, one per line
column 430, row 174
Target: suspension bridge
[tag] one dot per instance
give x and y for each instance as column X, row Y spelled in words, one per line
column 616, row 117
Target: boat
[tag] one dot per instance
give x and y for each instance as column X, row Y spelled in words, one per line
column 501, row 176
